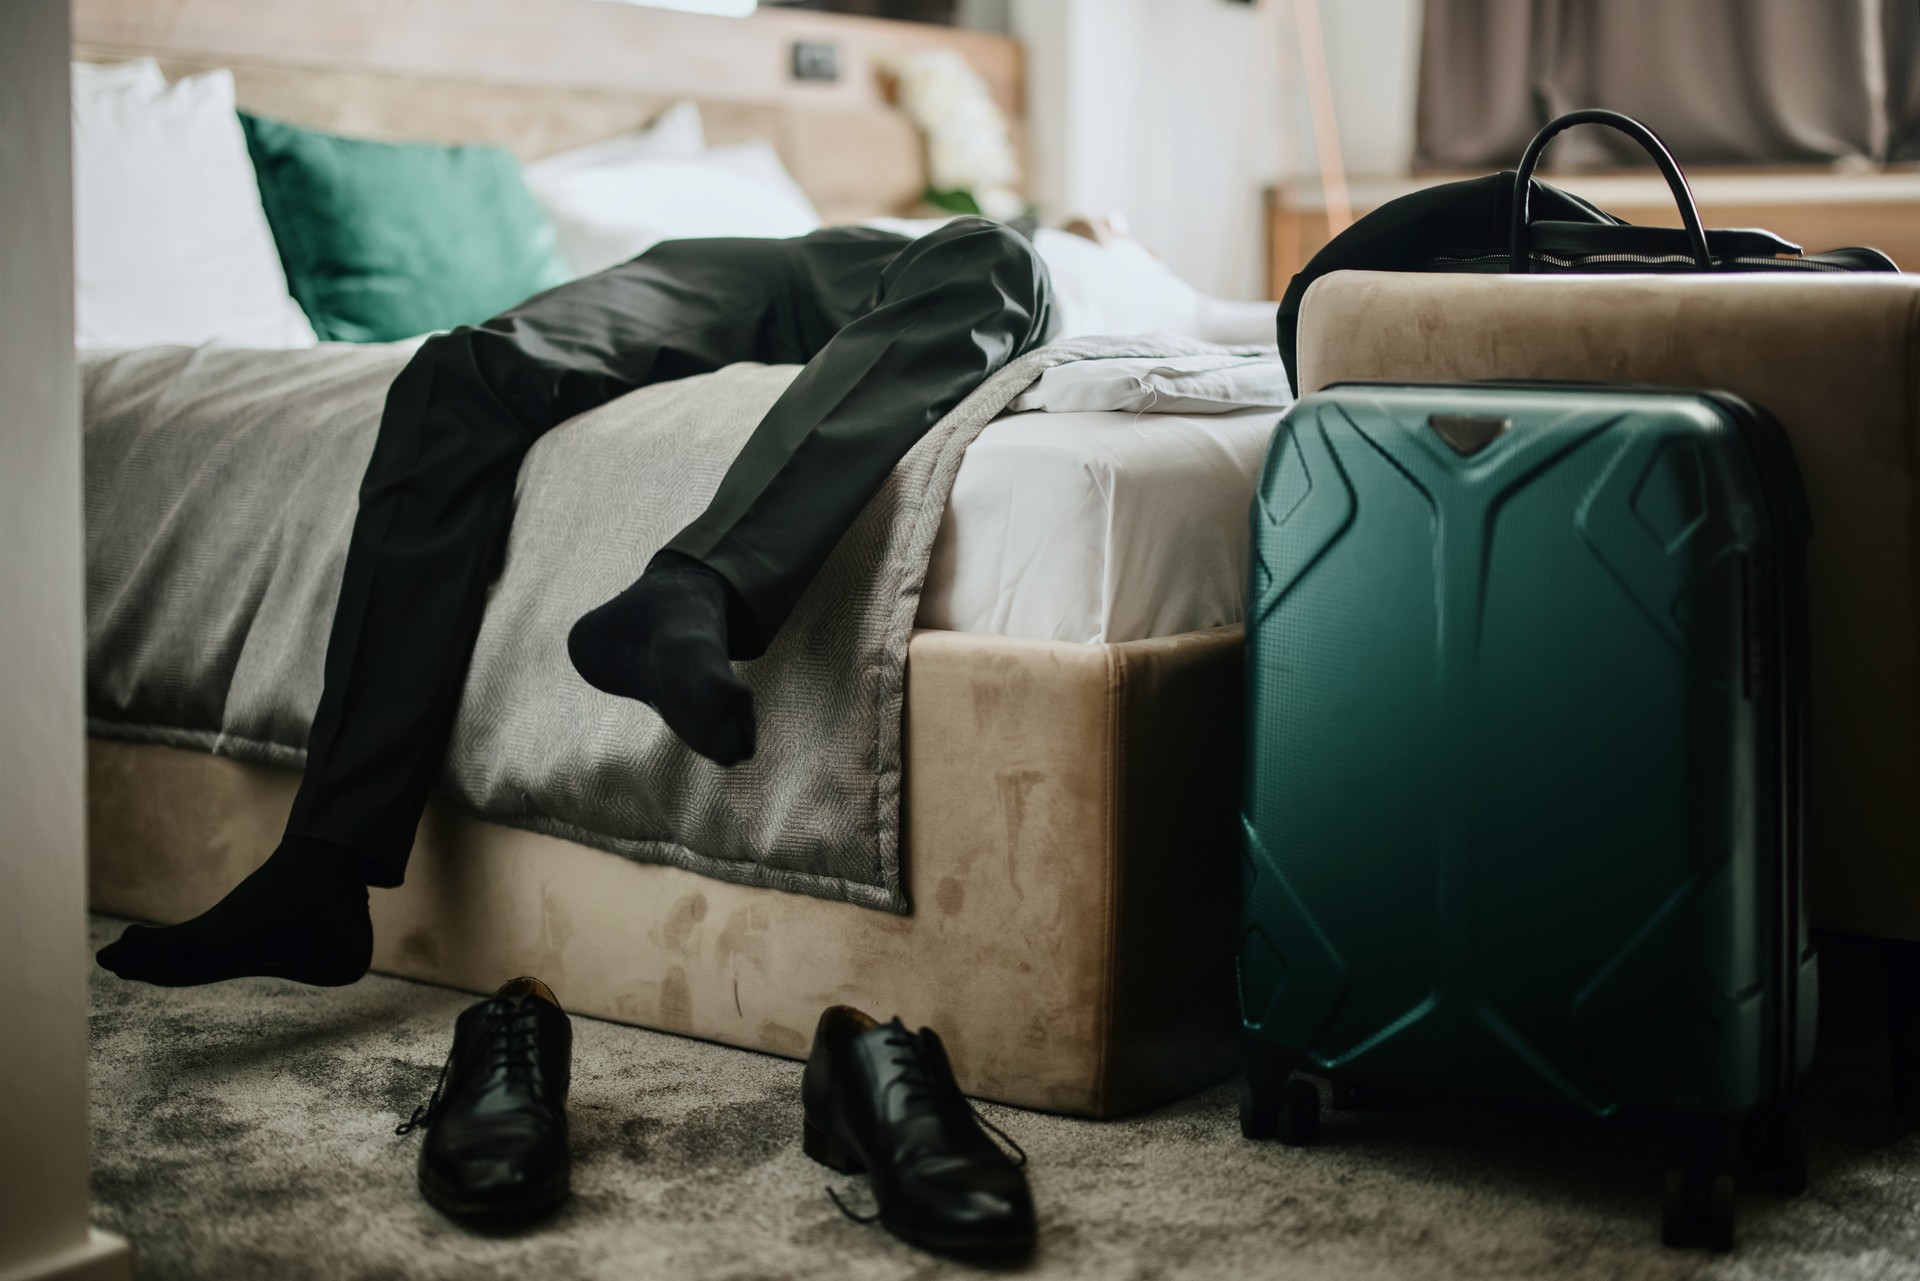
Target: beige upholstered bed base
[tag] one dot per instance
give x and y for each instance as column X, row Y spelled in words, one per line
column 1069, row 841
column 1070, row 854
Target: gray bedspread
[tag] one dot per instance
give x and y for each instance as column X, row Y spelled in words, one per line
column 220, row 489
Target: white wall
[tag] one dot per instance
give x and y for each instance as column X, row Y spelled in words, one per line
column 1166, row 111
column 1373, row 63
column 1177, row 113
column 43, row 959
column 982, row 15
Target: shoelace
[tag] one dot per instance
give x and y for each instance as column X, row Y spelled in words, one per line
column 512, row 1041
column 922, row 1087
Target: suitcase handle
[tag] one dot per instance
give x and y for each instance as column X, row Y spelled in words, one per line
column 1522, row 258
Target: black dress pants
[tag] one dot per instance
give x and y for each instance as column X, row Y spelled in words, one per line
column 893, row 334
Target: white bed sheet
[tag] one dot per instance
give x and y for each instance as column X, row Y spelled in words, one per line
column 1095, row 526
column 1098, row 527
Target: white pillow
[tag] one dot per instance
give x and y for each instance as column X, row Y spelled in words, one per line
column 758, row 162
column 1112, row 288
column 1164, row 385
column 171, row 244
column 613, row 204
column 142, row 74
column 911, row 228
column 675, row 133
column 1232, row 323
column 1120, row 288
column 1115, row 288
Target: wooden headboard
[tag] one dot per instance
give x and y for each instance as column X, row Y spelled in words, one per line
column 539, row 76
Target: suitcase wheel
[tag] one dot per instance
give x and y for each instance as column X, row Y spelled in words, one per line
column 1299, row 1112
column 1259, row 1117
column 1773, row 1152
column 1720, row 1214
column 1289, row 1113
column 1697, row 1208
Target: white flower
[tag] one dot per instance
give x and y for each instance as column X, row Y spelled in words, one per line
column 969, row 147
column 1003, row 204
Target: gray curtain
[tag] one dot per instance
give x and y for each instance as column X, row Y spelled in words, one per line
column 1903, row 80
column 1723, row 81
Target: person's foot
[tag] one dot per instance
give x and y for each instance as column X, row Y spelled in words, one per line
column 496, row 1144
column 882, row 1101
column 663, row 641
column 301, row 915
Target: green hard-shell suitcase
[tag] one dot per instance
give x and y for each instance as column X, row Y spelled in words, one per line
column 1526, row 680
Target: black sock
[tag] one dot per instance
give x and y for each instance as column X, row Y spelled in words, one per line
column 664, row 641
column 301, row 915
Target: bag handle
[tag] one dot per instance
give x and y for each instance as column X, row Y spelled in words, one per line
column 1522, row 259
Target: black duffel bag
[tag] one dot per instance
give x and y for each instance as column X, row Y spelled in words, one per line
column 1513, row 222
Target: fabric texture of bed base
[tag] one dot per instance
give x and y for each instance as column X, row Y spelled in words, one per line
column 1069, row 843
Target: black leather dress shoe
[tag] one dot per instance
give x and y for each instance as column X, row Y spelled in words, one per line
column 496, row 1125
column 882, row 1100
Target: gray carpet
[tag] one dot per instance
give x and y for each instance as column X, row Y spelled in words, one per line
column 246, row 1130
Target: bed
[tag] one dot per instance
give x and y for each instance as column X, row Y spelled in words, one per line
column 1069, row 739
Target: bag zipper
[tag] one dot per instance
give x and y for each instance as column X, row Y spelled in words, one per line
column 1786, row 264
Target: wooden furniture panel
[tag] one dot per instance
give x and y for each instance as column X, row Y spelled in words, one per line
column 578, row 44
column 540, row 76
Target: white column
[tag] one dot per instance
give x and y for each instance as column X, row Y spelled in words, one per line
column 1373, row 60
column 1081, row 100
column 44, row 1212
column 1165, row 111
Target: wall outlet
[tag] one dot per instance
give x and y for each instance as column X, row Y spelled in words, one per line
column 815, row 60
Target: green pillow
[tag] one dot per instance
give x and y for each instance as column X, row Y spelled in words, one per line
column 385, row 240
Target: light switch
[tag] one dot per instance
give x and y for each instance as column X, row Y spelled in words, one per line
column 815, row 60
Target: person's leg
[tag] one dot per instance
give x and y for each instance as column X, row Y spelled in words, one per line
column 434, row 511
column 950, row 309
